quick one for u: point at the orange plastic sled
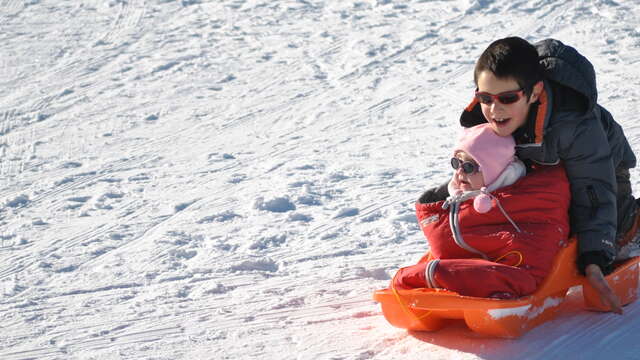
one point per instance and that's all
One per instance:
(432, 309)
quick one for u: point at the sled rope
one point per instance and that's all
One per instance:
(403, 306)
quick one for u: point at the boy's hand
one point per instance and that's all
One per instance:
(607, 296)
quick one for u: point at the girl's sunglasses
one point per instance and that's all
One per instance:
(506, 98)
(467, 166)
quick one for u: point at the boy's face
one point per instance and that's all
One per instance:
(505, 119)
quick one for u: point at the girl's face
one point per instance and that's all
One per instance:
(505, 118)
(464, 181)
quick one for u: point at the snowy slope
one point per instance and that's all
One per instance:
(231, 179)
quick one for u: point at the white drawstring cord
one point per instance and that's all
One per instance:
(484, 191)
(460, 197)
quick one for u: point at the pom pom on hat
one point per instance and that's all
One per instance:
(482, 203)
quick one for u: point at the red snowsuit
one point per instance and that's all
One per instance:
(484, 255)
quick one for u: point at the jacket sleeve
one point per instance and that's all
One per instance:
(588, 162)
(435, 194)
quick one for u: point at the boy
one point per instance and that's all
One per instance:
(545, 96)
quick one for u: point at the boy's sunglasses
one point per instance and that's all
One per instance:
(467, 166)
(506, 98)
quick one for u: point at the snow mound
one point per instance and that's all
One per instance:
(263, 265)
(20, 200)
(276, 204)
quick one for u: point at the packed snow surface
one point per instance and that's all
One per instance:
(232, 179)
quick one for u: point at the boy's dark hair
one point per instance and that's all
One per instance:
(511, 57)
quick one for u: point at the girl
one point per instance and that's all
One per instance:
(498, 234)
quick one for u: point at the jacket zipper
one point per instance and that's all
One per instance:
(455, 230)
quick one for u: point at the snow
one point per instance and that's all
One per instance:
(232, 179)
(514, 311)
(548, 303)
(526, 310)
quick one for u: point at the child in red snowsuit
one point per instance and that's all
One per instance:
(499, 232)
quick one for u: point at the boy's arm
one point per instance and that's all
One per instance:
(587, 159)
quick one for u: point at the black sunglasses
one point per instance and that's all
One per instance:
(468, 167)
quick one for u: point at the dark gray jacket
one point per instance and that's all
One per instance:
(568, 125)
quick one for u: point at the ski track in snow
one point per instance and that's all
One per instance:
(233, 178)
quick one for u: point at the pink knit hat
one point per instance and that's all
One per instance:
(492, 152)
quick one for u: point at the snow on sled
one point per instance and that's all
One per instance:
(431, 309)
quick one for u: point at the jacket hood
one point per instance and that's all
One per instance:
(565, 66)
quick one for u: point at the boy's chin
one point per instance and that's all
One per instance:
(502, 128)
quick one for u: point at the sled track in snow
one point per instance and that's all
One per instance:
(32, 255)
(65, 76)
(87, 344)
(9, 9)
(297, 317)
(129, 17)
(79, 180)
